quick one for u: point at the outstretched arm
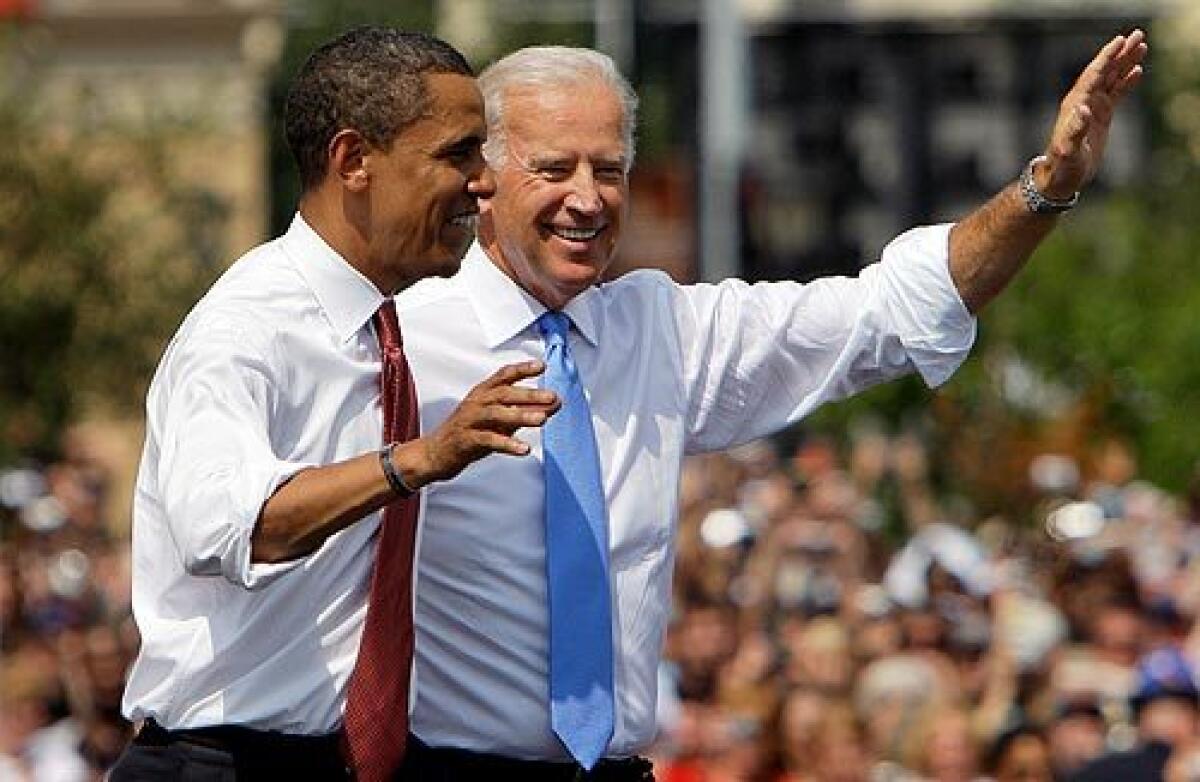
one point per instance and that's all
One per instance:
(990, 245)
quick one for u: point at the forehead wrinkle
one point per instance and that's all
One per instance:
(516, 157)
(560, 103)
(529, 161)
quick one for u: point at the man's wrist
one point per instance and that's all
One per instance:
(1039, 193)
(400, 487)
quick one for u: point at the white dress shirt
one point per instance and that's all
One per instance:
(274, 370)
(668, 370)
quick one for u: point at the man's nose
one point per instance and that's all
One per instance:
(584, 196)
(482, 183)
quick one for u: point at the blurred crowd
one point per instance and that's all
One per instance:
(838, 617)
(66, 631)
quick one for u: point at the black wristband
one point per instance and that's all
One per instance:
(399, 487)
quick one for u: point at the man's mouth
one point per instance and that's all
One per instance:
(575, 234)
(464, 220)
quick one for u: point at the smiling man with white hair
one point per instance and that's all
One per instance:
(545, 584)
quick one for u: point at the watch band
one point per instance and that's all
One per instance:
(1035, 201)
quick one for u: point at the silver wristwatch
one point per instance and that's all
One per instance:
(1035, 201)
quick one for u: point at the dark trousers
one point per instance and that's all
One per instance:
(230, 754)
(227, 754)
(423, 763)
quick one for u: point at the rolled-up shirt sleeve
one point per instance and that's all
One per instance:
(925, 309)
(217, 466)
(758, 357)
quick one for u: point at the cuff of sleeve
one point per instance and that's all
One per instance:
(239, 568)
(931, 319)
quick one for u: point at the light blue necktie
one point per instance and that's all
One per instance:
(581, 664)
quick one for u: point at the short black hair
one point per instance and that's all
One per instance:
(369, 79)
(1004, 742)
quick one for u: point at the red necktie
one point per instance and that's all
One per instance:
(376, 719)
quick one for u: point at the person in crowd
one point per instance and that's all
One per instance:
(1020, 754)
(943, 746)
(1166, 708)
(1076, 734)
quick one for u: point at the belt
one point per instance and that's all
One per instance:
(423, 762)
(256, 751)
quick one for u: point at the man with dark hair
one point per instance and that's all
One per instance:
(272, 534)
(371, 80)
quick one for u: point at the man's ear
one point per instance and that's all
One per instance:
(348, 152)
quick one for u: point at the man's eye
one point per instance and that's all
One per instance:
(610, 173)
(554, 172)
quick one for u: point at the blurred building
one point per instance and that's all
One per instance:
(166, 100)
(872, 117)
(194, 69)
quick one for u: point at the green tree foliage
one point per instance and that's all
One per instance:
(102, 248)
(1108, 307)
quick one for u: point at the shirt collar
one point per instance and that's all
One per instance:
(505, 309)
(347, 297)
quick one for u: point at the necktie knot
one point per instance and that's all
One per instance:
(554, 325)
(387, 326)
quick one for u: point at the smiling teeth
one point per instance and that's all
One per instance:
(578, 234)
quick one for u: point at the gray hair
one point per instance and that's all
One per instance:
(546, 67)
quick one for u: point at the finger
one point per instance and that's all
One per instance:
(498, 443)
(1096, 72)
(512, 373)
(1134, 61)
(1125, 85)
(1134, 49)
(1131, 55)
(520, 395)
(508, 419)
